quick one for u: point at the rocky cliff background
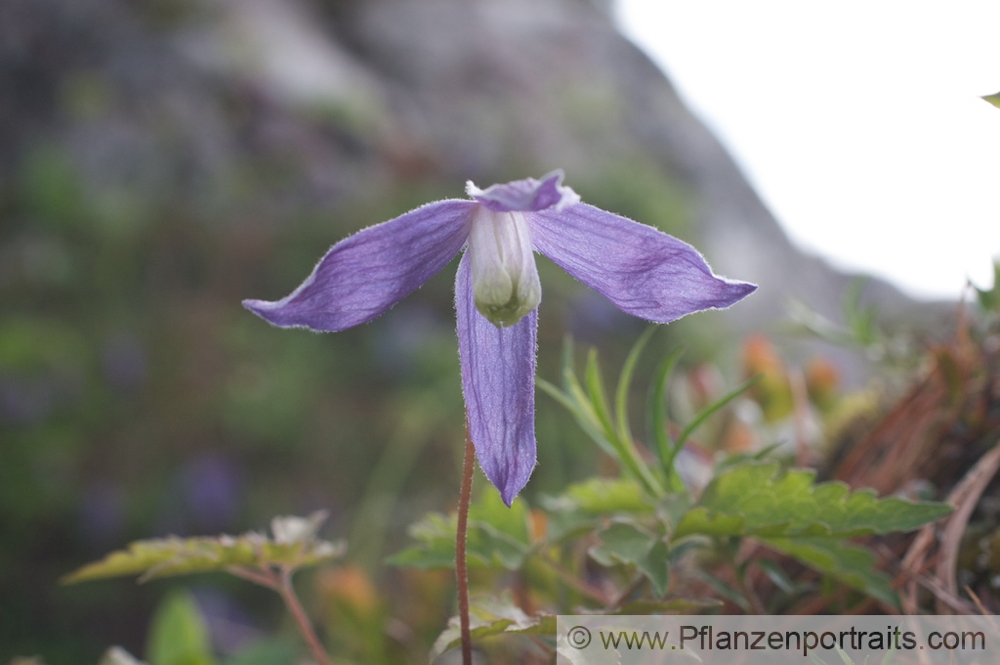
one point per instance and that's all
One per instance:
(160, 160)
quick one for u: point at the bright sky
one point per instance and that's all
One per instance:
(859, 122)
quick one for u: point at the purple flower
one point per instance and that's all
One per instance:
(643, 271)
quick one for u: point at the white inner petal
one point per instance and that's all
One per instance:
(504, 277)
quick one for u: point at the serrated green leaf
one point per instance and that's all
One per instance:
(622, 542)
(625, 542)
(582, 505)
(428, 556)
(602, 496)
(164, 557)
(495, 548)
(178, 635)
(562, 525)
(436, 546)
(849, 564)
(498, 616)
(491, 511)
(756, 499)
(497, 536)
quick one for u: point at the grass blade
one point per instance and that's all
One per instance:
(658, 425)
(625, 382)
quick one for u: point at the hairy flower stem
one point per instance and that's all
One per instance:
(461, 570)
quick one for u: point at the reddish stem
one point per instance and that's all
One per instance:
(287, 592)
(461, 571)
(282, 584)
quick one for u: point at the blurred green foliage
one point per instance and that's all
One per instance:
(138, 399)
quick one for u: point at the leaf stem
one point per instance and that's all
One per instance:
(287, 592)
(282, 584)
(461, 570)
(264, 578)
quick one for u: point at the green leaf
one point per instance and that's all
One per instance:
(849, 564)
(497, 536)
(582, 505)
(601, 496)
(989, 299)
(495, 548)
(655, 567)
(993, 99)
(625, 542)
(491, 511)
(757, 500)
(592, 411)
(624, 447)
(178, 635)
(294, 545)
(622, 542)
(435, 534)
(498, 616)
(672, 508)
(594, 381)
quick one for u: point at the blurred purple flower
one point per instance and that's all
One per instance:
(102, 514)
(643, 271)
(212, 490)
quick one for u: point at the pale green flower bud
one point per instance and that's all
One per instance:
(504, 277)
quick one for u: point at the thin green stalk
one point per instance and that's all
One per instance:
(658, 425)
(710, 410)
(625, 449)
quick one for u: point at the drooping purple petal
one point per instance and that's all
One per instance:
(525, 195)
(365, 274)
(642, 270)
(498, 380)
